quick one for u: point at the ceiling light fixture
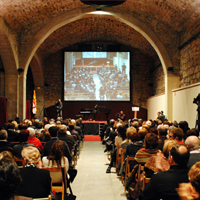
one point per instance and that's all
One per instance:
(103, 3)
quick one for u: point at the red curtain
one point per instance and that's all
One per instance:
(28, 110)
(3, 111)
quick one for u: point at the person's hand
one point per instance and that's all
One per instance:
(187, 192)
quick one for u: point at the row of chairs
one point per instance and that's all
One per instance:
(128, 170)
(61, 188)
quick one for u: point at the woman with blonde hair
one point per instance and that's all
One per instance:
(36, 182)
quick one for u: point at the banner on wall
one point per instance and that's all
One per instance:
(34, 110)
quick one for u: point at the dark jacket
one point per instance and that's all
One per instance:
(163, 185)
(36, 183)
(47, 149)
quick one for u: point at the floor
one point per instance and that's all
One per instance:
(92, 182)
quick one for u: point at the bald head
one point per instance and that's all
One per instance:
(180, 154)
(192, 142)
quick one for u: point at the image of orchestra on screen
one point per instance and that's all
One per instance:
(96, 76)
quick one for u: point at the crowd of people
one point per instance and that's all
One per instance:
(168, 151)
(81, 80)
(33, 145)
(113, 83)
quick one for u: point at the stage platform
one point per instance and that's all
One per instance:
(92, 138)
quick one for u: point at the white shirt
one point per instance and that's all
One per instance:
(48, 163)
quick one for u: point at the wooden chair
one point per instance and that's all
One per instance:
(128, 172)
(74, 156)
(48, 198)
(58, 188)
(140, 169)
(117, 157)
(19, 161)
(145, 181)
(123, 152)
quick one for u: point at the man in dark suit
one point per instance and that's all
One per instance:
(193, 144)
(62, 135)
(59, 106)
(12, 134)
(47, 147)
(4, 144)
(163, 185)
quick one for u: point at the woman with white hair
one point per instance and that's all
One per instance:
(36, 182)
(33, 140)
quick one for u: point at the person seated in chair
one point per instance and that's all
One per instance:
(3, 140)
(163, 185)
(121, 135)
(10, 178)
(56, 158)
(36, 182)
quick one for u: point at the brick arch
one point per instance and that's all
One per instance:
(7, 51)
(10, 63)
(36, 69)
(84, 12)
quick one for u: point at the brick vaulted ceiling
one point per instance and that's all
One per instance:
(26, 17)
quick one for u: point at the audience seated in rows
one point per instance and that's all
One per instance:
(192, 143)
(150, 148)
(62, 135)
(133, 146)
(23, 138)
(47, 147)
(12, 134)
(191, 190)
(3, 139)
(56, 159)
(121, 135)
(36, 182)
(163, 185)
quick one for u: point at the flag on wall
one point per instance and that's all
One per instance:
(34, 110)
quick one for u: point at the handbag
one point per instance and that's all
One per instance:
(70, 196)
(72, 174)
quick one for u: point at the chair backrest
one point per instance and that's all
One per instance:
(48, 198)
(145, 181)
(53, 173)
(123, 151)
(128, 172)
(19, 161)
(140, 169)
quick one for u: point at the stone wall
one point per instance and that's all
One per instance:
(53, 77)
(158, 81)
(190, 63)
(141, 87)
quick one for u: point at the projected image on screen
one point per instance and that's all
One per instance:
(96, 76)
